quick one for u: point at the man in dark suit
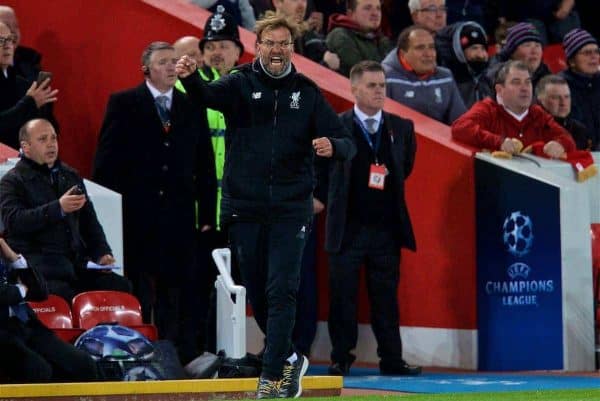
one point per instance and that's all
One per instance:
(32, 353)
(154, 148)
(368, 222)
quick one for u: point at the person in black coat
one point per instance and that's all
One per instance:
(55, 228)
(32, 353)
(18, 102)
(277, 119)
(554, 95)
(159, 157)
(368, 221)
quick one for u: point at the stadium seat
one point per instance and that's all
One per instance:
(55, 313)
(104, 307)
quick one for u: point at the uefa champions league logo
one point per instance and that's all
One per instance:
(517, 233)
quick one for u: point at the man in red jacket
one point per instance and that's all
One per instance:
(511, 121)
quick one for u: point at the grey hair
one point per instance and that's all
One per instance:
(153, 47)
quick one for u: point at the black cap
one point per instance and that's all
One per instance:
(221, 26)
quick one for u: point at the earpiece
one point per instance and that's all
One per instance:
(145, 70)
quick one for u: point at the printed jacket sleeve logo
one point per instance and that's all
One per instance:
(256, 95)
(295, 103)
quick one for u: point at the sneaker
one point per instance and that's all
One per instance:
(268, 388)
(291, 383)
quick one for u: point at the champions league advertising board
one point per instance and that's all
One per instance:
(519, 297)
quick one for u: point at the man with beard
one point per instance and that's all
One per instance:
(276, 120)
(462, 48)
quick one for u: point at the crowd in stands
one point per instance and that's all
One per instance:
(476, 66)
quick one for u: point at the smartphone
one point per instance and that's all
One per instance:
(42, 76)
(77, 190)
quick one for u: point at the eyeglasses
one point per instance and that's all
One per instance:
(434, 9)
(8, 40)
(589, 52)
(269, 44)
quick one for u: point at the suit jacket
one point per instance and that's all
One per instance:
(160, 175)
(334, 181)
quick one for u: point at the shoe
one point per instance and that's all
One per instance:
(268, 388)
(398, 369)
(339, 369)
(291, 383)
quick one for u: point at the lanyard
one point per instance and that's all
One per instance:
(367, 136)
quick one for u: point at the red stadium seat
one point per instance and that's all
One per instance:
(100, 307)
(55, 313)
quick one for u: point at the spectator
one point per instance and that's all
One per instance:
(31, 353)
(155, 150)
(500, 33)
(273, 116)
(583, 77)
(551, 18)
(511, 121)
(241, 10)
(310, 43)
(357, 35)
(429, 14)
(17, 95)
(27, 61)
(523, 43)
(554, 96)
(50, 220)
(412, 77)
(462, 47)
(188, 45)
(467, 10)
(368, 222)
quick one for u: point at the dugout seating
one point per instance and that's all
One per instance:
(100, 307)
(55, 313)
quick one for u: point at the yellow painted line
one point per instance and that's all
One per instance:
(154, 387)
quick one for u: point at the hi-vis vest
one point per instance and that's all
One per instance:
(216, 125)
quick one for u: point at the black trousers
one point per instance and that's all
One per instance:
(269, 256)
(305, 328)
(170, 301)
(378, 249)
(31, 353)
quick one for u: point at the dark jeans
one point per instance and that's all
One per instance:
(378, 249)
(269, 257)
